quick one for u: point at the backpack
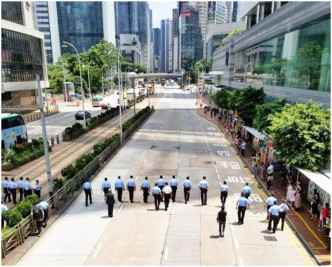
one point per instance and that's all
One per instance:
(36, 213)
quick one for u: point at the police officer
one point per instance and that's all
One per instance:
(161, 184)
(110, 200)
(12, 189)
(146, 188)
(88, 191)
(186, 189)
(157, 195)
(274, 216)
(246, 190)
(174, 185)
(282, 214)
(37, 189)
(44, 205)
(223, 193)
(269, 203)
(27, 187)
(167, 193)
(119, 187)
(3, 208)
(241, 205)
(5, 186)
(20, 186)
(105, 186)
(203, 185)
(131, 187)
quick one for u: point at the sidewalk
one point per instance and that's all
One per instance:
(306, 229)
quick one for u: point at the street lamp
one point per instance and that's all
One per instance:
(64, 79)
(102, 79)
(133, 89)
(79, 62)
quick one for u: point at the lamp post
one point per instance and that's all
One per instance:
(64, 80)
(79, 62)
(102, 79)
(88, 66)
(133, 89)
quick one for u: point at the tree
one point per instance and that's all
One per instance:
(301, 135)
(261, 121)
(221, 99)
(233, 98)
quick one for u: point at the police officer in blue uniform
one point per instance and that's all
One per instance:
(20, 186)
(274, 216)
(269, 203)
(161, 184)
(12, 189)
(156, 192)
(174, 185)
(88, 191)
(283, 211)
(223, 193)
(186, 190)
(146, 188)
(27, 187)
(5, 187)
(246, 190)
(37, 189)
(105, 186)
(203, 185)
(242, 204)
(44, 205)
(119, 187)
(131, 187)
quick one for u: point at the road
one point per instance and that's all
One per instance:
(174, 141)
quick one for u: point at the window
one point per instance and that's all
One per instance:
(43, 23)
(12, 11)
(41, 5)
(42, 17)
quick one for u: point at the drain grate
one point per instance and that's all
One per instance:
(270, 238)
(207, 162)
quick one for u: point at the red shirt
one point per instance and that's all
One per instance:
(325, 212)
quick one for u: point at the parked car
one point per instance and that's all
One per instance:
(79, 115)
(105, 106)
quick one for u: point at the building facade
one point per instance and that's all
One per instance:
(156, 49)
(287, 54)
(22, 56)
(166, 45)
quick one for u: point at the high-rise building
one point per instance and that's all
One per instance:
(166, 45)
(175, 39)
(156, 49)
(229, 6)
(204, 9)
(22, 56)
(220, 12)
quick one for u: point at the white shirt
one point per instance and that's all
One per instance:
(167, 190)
(270, 169)
(224, 188)
(243, 145)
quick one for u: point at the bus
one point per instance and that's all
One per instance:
(96, 100)
(13, 130)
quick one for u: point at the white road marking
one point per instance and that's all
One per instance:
(120, 208)
(166, 254)
(236, 243)
(97, 250)
(241, 262)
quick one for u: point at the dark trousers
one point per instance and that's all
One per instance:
(7, 195)
(174, 188)
(275, 220)
(282, 216)
(13, 192)
(145, 194)
(167, 198)
(46, 217)
(119, 190)
(21, 193)
(246, 195)
(242, 152)
(27, 192)
(37, 192)
(161, 189)
(105, 189)
(222, 226)
(203, 196)
(110, 209)
(186, 192)
(223, 196)
(39, 226)
(240, 213)
(131, 193)
(268, 183)
(87, 195)
(156, 201)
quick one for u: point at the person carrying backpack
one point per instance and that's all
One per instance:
(38, 217)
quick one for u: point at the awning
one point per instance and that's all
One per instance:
(323, 181)
(254, 132)
(216, 73)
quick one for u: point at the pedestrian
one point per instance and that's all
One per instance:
(157, 196)
(203, 185)
(283, 211)
(246, 190)
(186, 190)
(298, 198)
(167, 194)
(221, 219)
(3, 208)
(88, 192)
(325, 212)
(110, 200)
(269, 178)
(223, 193)
(263, 171)
(44, 205)
(5, 187)
(269, 203)
(290, 197)
(27, 188)
(20, 186)
(12, 188)
(161, 183)
(37, 189)
(38, 217)
(105, 186)
(274, 216)
(254, 165)
(174, 185)
(119, 187)
(146, 188)
(314, 207)
(131, 187)
(241, 205)
(243, 147)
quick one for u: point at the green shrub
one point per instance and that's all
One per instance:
(5, 215)
(33, 199)
(69, 172)
(24, 208)
(14, 217)
(57, 184)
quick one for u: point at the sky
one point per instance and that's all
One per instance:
(161, 10)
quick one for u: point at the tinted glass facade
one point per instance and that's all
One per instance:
(300, 58)
(12, 11)
(80, 23)
(21, 57)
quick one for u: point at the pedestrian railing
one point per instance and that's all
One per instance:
(15, 236)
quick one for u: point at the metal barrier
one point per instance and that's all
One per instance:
(27, 226)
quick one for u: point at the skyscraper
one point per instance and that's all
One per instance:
(166, 45)
(156, 49)
(175, 39)
(220, 12)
